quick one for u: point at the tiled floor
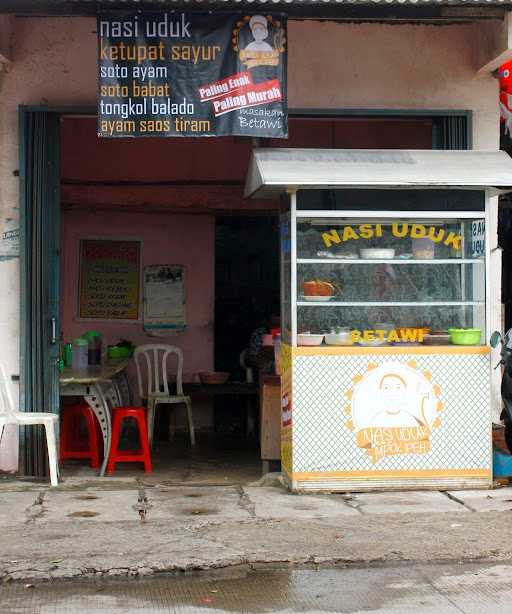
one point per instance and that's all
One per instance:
(216, 460)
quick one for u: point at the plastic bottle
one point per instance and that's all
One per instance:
(94, 348)
(68, 353)
(277, 350)
(79, 358)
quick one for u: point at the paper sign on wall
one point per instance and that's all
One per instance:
(477, 238)
(164, 298)
(10, 238)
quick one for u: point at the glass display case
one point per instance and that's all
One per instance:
(382, 271)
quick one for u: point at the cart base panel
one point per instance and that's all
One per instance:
(386, 483)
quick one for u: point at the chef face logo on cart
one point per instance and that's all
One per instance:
(393, 409)
(259, 40)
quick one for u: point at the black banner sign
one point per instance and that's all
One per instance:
(192, 74)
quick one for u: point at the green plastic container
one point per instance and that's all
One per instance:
(91, 333)
(465, 336)
(113, 351)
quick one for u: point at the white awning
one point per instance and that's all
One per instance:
(271, 171)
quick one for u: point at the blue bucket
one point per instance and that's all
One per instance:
(501, 464)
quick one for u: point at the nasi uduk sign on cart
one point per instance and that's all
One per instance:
(191, 74)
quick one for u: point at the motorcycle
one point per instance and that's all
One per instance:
(506, 380)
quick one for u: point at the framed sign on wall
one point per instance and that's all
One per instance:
(109, 285)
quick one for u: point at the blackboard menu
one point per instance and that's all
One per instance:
(109, 279)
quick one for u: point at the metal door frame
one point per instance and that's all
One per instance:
(39, 287)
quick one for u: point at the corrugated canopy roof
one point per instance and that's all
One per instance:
(271, 171)
(41, 6)
(274, 2)
(377, 11)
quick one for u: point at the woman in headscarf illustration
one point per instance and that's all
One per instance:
(398, 406)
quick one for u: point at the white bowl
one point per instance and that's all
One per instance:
(338, 339)
(379, 253)
(374, 343)
(317, 299)
(309, 339)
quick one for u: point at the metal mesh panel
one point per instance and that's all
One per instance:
(323, 443)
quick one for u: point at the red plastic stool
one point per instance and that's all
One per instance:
(72, 444)
(142, 455)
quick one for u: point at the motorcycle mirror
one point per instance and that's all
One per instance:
(495, 339)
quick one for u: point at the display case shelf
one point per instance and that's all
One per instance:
(389, 304)
(389, 261)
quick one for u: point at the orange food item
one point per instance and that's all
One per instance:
(309, 288)
(325, 288)
(318, 288)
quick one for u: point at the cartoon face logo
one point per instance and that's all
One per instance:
(259, 40)
(393, 409)
(393, 390)
(259, 31)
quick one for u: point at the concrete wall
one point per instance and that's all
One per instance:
(330, 66)
(166, 239)
(386, 66)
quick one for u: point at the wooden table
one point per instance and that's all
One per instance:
(229, 388)
(248, 390)
(99, 386)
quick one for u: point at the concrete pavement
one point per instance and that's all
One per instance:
(84, 530)
(395, 589)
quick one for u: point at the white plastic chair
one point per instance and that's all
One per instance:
(154, 358)
(8, 415)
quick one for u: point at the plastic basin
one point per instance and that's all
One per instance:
(118, 352)
(465, 336)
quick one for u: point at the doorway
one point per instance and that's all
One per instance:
(246, 283)
(246, 296)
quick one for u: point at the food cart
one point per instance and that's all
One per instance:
(386, 314)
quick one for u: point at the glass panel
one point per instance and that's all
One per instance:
(339, 239)
(323, 318)
(286, 268)
(395, 200)
(401, 273)
(386, 282)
